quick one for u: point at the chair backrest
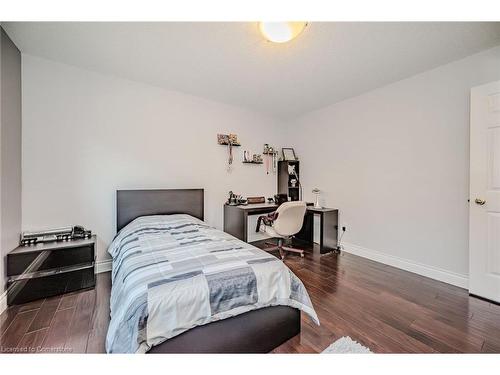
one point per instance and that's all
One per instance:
(290, 218)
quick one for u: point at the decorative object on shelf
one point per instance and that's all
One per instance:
(229, 140)
(232, 199)
(52, 235)
(248, 158)
(266, 156)
(236, 200)
(316, 191)
(275, 160)
(288, 154)
(293, 182)
(254, 200)
(271, 158)
(293, 172)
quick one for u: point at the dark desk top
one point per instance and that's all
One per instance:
(321, 209)
(271, 206)
(256, 206)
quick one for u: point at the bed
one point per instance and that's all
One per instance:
(182, 286)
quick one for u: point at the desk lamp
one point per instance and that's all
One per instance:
(317, 191)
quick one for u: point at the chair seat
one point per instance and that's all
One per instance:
(270, 231)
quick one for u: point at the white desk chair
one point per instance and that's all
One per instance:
(288, 223)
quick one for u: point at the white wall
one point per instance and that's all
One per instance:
(394, 160)
(396, 163)
(10, 151)
(85, 135)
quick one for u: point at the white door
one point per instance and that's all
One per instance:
(484, 221)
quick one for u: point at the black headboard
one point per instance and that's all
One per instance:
(130, 204)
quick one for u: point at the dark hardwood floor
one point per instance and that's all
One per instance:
(384, 308)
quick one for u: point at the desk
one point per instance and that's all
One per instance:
(236, 223)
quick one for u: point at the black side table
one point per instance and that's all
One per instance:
(47, 269)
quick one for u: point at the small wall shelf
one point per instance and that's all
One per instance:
(253, 162)
(227, 144)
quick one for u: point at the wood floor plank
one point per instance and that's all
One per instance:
(489, 348)
(58, 331)
(7, 317)
(68, 300)
(31, 342)
(100, 317)
(78, 334)
(16, 330)
(45, 314)
(34, 305)
(465, 342)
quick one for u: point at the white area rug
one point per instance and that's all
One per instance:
(346, 345)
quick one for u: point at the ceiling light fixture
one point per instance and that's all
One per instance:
(281, 32)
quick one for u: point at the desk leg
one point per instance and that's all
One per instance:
(236, 222)
(328, 236)
(307, 230)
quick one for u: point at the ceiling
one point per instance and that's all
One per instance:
(232, 63)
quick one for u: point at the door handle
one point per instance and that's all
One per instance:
(480, 201)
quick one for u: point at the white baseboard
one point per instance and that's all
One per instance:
(103, 266)
(3, 302)
(435, 273)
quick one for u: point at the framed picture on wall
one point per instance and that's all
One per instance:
(288, 153)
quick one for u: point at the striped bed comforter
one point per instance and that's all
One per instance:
(174, 272)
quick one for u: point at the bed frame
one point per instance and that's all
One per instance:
(257, 331)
